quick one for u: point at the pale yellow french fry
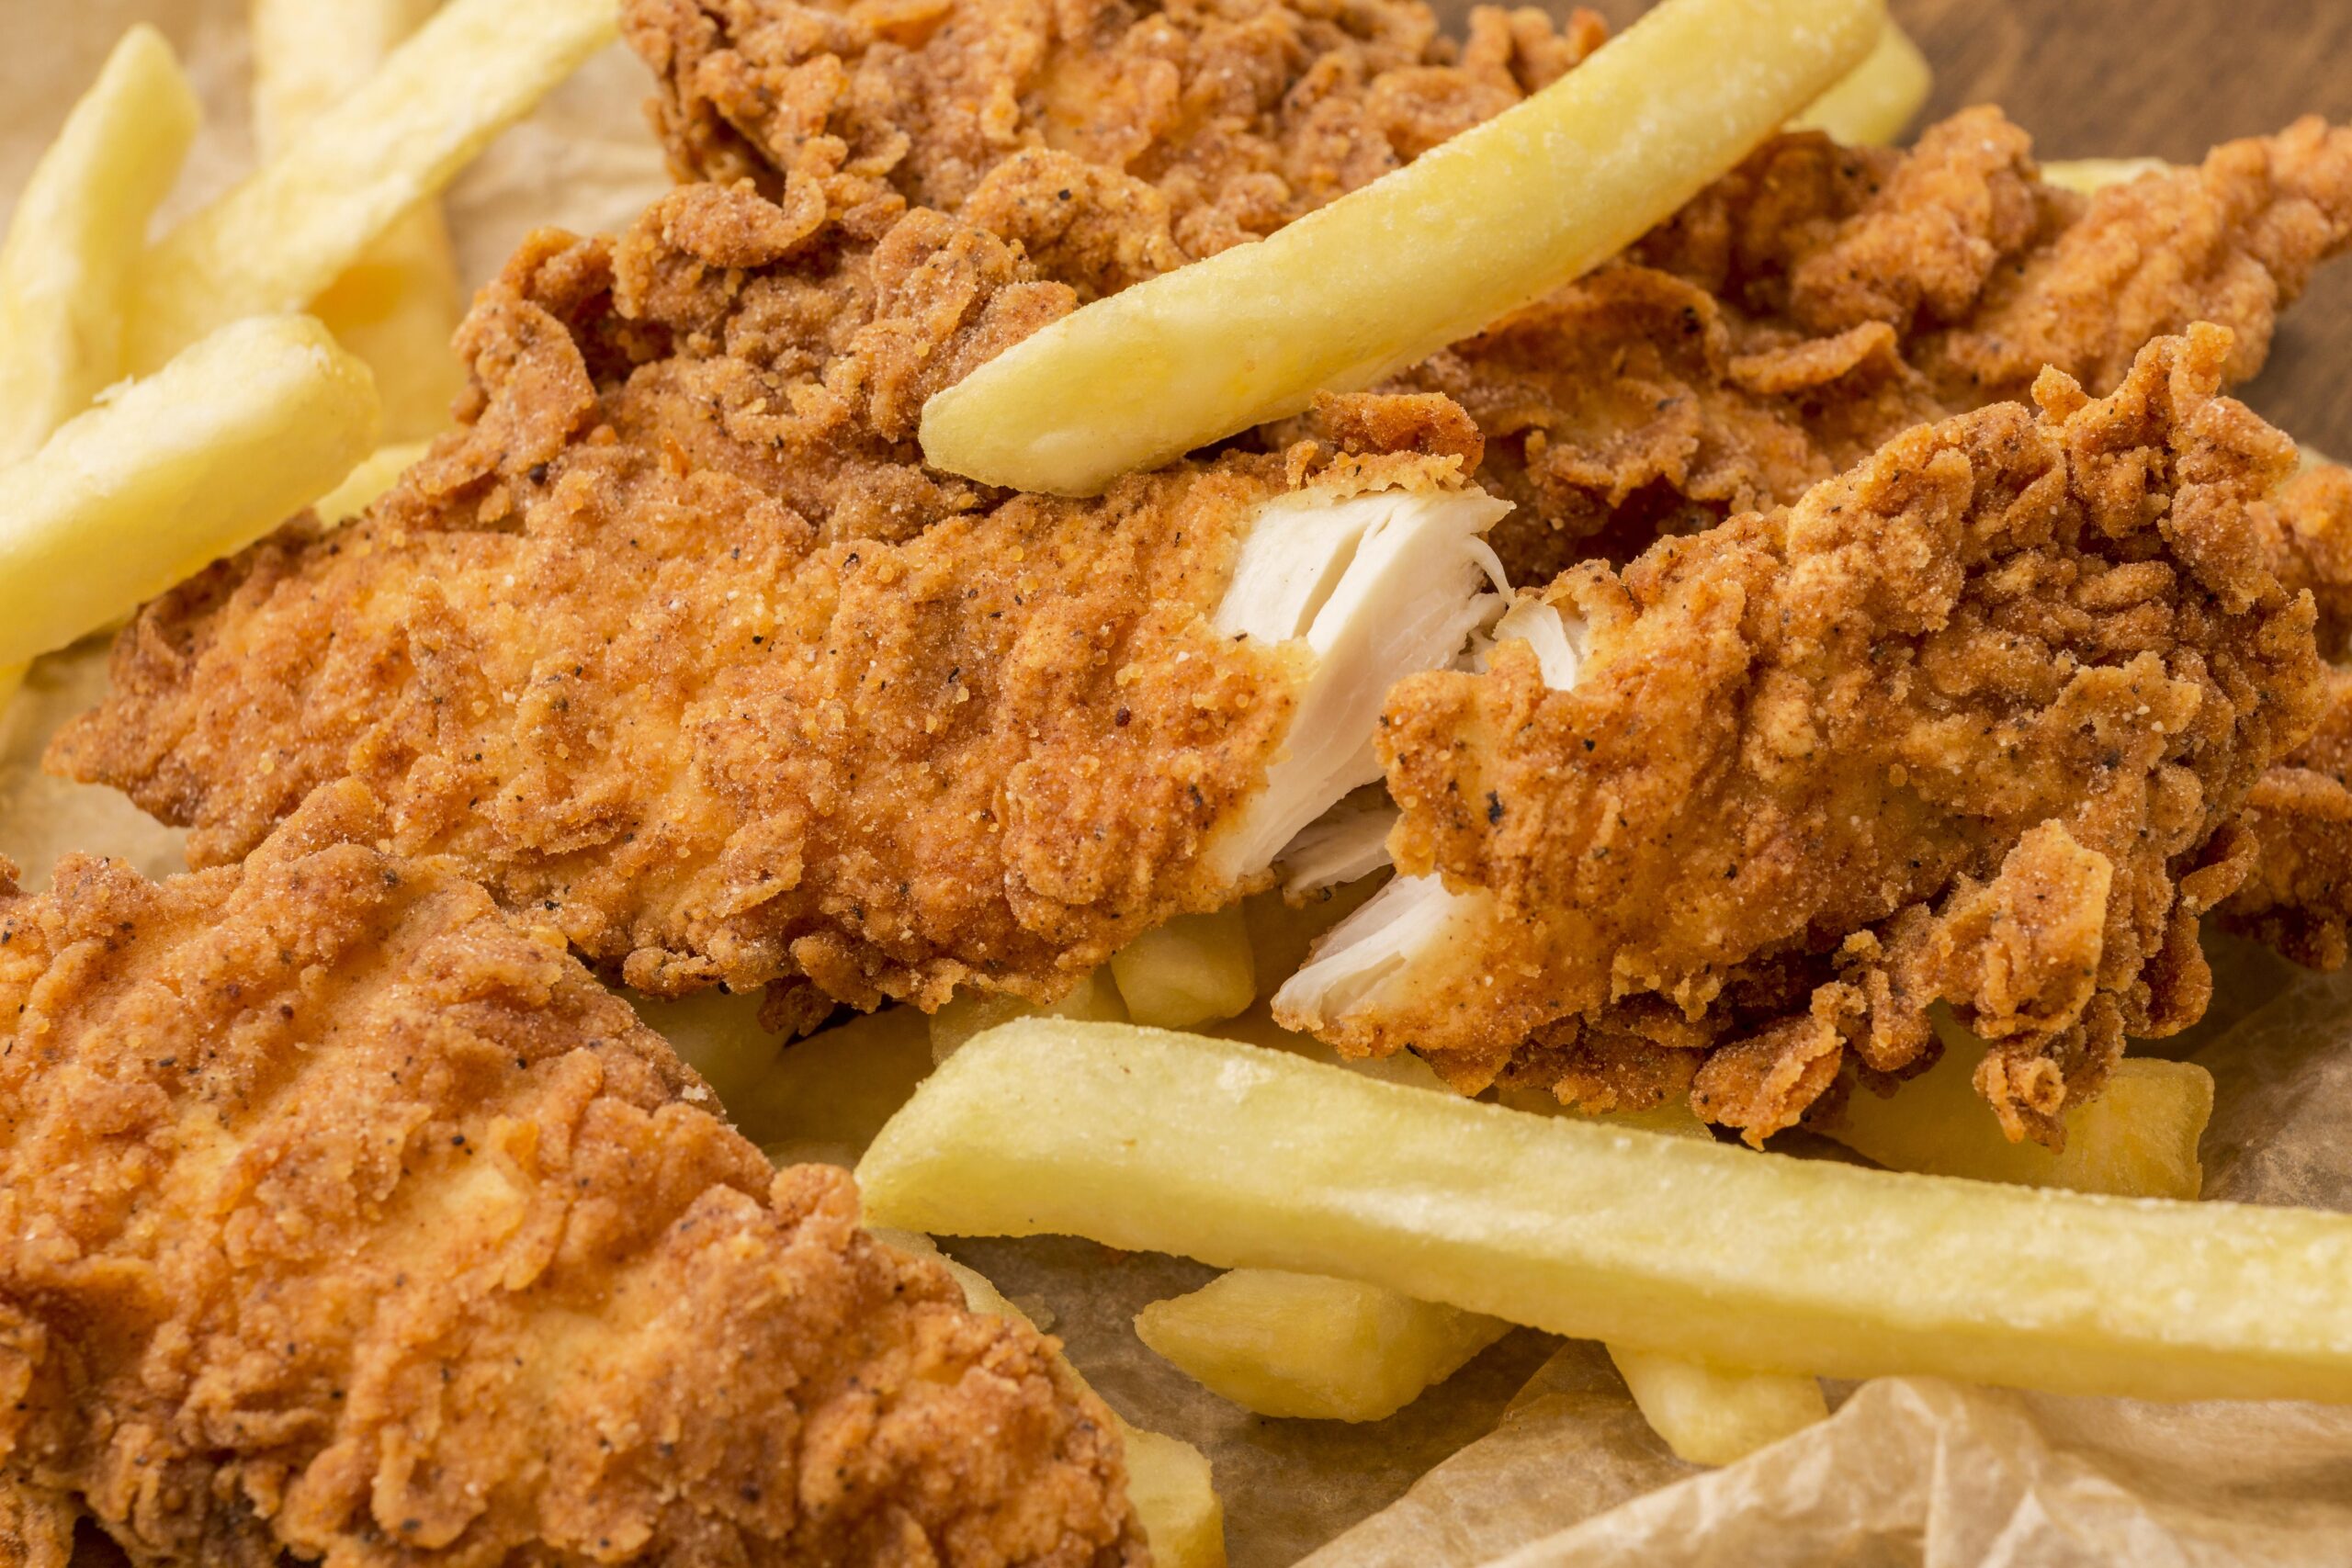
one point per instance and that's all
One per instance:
(1712, 1415)
(1168, 1479)
(176, 470)
(1249, 1158)
(398, 305)
(1872, 104)
(1470, 231)
(2137, 1139)
(1196, 969)
(823, 1098)
(2090, 175)
(280, 238)
(1094, 998)
(375, 474)
(1311, 1346)
(1707, 1413)
(717, 1034)
(79, 230)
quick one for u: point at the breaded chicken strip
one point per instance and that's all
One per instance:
(1808, 306)
(342, 1215)
(1970, 723)
(677, 644)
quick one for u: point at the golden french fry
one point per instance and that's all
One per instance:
(1468, 232)
(1168, 1479)
(824, 1098)
(1712, 1415)
(397, 306)
(1196, 969)
(2091, 175)
(186, 466)
(1309, 1345)
(1170, 1483)
(1872, 104)
(280, 238)
(717, 1034)
(375, 474)
(79, 230)
(1250, 1158)
(968, 1013)
(2138, 1139)
(1707, 1413)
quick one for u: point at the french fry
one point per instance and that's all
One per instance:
(375, 474)
(398, 305)
(280, 238)
(1712, 1415)
(823, 1098)
(1707, 1413)
(1094, 998)
(1196, 969)
(1872, 104)
(1249, 1158)
(1168, 1479)
(717, 1034)
(1311, 1346)
(78, 230)
(2090, 175)
(2138, 1139)
(1468, 232)
(181, 468)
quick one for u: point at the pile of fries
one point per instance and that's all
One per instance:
(166, 400)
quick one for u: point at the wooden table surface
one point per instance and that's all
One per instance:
(2162, 78)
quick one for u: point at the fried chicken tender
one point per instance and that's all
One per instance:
(344, 1217)
(1805, 309)
(1973, 724)
(1187, 129)
(676, 644)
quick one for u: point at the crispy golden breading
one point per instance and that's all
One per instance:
(1970, 723)
(2299, 897)
(676, 641)
(1802, 311)
(344, 1216)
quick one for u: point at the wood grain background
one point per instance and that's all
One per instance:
(2166, 79)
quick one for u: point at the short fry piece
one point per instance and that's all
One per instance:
(1712, 1415)
(1169, 1483)
(278, 238)
(1245, 1158)
(375, 474)
(192, 463)
(823, 1098)
(2088, 176)
(2138, 1139)
(968, 1013)
(397, 306)
(1468, 232)
(1872, 104)
(78, 230)
(1307, 1345)
(1196, 969)
(1168, 1478)
(717, 1034)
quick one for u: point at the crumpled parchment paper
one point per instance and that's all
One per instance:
(1533, 1454)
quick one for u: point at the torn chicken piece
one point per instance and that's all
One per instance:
(1970, 723)
(676, 643)
(1805, 309)
(348, 1218)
